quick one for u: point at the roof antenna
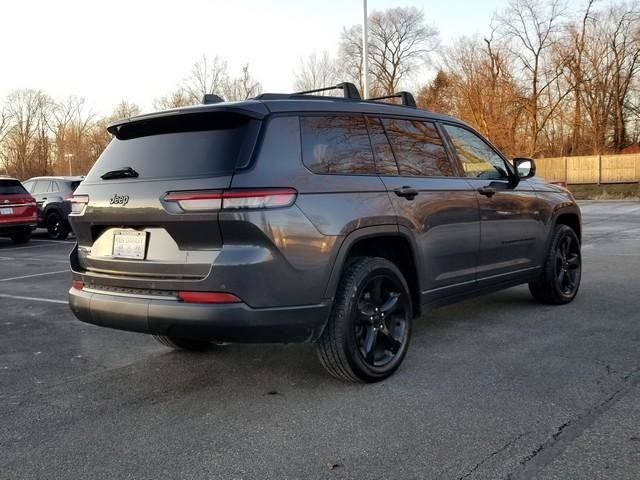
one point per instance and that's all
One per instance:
(210, 98)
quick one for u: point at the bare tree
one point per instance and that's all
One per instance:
(177, 98)
(400, 43)
(625, 49)
(243, 87)
(124, 109)
(531, 29)
(208, 75)
(26, 146)
(316, 71)
(72, 123)
(481, 89)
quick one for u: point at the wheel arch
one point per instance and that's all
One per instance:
(390, 242)
(571, 219)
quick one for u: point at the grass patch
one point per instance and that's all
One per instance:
(614, 191)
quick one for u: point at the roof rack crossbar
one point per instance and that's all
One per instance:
(405, 97)
(348, 88)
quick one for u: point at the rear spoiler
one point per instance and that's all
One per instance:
(255, 110)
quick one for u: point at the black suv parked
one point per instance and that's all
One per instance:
(53, 195)
(302, 218)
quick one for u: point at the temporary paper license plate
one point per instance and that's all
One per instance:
(129, 244)
(6, 211)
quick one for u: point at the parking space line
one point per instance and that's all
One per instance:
(33, 299)
(34, 259)
(51, 241)
(34, 275)
(31, 246)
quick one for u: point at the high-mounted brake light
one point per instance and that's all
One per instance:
(232, 199)
(78, 202)
(208, 297)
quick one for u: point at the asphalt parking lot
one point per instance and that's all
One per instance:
(497, 387)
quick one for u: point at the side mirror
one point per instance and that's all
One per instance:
(525, 167)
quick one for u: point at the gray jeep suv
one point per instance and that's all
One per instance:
(304, 218)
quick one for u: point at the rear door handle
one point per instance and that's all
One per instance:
(488, 191)
(407, 192)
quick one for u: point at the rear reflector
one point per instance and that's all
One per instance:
(78, 202)
(232, 199)
(208, 297)
(267, 198)
(77, 284)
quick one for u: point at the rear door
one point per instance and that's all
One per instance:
(439, 209)
(129, 226)
(511, 225)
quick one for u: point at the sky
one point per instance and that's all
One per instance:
(138, 50)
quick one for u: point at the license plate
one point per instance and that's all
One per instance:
(6, 211)
(130, 244)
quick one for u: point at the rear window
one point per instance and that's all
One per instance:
(11, 187)
(337, 144)
(209, 144)
(75, 184)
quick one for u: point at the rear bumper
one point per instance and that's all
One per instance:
(7, 228)
(231, 322)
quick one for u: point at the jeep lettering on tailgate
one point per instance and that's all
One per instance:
(119, 200)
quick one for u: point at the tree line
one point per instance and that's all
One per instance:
(546, 81)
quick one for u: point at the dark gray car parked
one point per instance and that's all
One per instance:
(53, 195)
(302, 218)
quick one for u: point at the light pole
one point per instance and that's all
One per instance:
(365, 52)
(69, 156)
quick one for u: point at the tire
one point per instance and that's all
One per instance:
(56, 226)
(559, 280)
(21, 237)
(358, 343)
(182, 343)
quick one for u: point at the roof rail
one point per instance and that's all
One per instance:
(209, 98)
(405, 97)
(348, 88)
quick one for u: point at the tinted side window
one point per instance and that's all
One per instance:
(41, 186)
(336, 144)
(418, 148)
(478, 159)
(385, 161)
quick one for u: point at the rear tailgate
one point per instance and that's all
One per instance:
(126, 228)
(16, 205)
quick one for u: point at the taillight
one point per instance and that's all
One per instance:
(208, 297)
(77, 284)
(78, 202)
(196, 201)
(232, 199)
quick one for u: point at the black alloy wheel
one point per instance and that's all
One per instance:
(381, 327)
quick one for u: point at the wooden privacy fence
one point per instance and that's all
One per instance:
(593, 169)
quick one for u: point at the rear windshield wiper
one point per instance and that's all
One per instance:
(124, 172)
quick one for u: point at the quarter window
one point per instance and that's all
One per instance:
(336, 144)
(418, 148)
(478, 159)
